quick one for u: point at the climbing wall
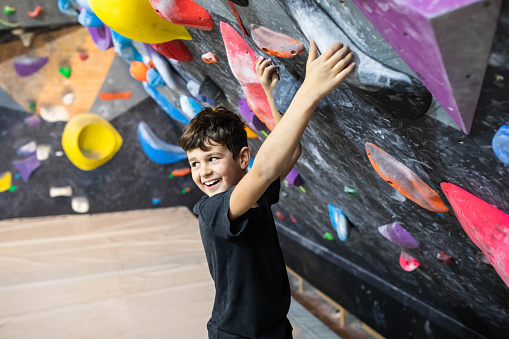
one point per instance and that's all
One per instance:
(397, 208)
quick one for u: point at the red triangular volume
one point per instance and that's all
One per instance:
(485, 225)
(184, 12)
(175, 50)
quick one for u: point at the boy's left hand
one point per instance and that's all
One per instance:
(267, 75)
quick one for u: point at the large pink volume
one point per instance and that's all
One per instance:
(485, 225)
(242, 60)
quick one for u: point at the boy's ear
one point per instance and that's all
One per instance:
(244, 157)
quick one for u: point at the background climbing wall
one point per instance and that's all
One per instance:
(465, 298)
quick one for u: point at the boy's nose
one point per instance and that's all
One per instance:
(205, 171)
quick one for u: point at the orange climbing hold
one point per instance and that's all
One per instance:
(404, 180)
(184, 12)
(115, 96)
(175, 50)
(276, 44)
(250, 133)
(209, 58)
(37, 10)
(180, 172)
(138, 70)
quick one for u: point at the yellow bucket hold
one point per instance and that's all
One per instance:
(137, 20)
(5, 181)
(89, 141)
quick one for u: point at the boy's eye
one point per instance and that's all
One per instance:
(194, 164)
(213, 159)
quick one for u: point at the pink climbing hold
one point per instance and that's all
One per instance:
(485, 225)
(242, 61)
(407, 262)
(184, 12)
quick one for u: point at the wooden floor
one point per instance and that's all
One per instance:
(137, 274)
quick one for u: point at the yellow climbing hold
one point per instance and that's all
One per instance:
(5, 181)
(89, 141)
(250, 133)
(137, 20)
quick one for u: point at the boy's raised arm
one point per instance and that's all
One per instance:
(323, 75)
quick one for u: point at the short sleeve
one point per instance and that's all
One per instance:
(214, 212)
(272, 192)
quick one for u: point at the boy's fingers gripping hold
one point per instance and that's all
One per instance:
(344, 73)
(331, 50)
(343, 62)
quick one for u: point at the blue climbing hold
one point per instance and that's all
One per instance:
(189, 106)
(154, 78)
(124, 47)
(157, 150)
(340, 222)
(500, 144)
(156, 201)
(441, 215)
(89, 19)
(165, 104)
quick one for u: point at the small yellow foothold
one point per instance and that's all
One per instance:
(302, 189)
(265, 133)
(5, 181)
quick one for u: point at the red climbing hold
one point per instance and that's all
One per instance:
(242, 61)
(276, 44)
(175, 50)
(404, 180)
(184, 12)
(37, 10)
(444, 257)
(209, 58)
(237, 16)
(485, 225)
(293, 219)
(280, 215)
(407, 262)
(83, 56)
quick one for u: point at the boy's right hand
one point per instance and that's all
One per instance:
(325, 73)
(267, 74)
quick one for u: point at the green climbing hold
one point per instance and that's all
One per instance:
(65, 71)
(12, 188)
(8, 10)
(171, 175)
(328, 236)
(351, 191)
(265, 133)
(31, 106)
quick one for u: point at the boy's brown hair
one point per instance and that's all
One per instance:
(214, 126)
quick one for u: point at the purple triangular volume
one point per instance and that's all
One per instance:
(27, 166)
(446, 43)
(396, 234)
(294, 179)
(28, 66)
(252, 120)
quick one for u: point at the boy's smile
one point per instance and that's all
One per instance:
(215, 171)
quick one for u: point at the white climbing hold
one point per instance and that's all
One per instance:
(54, 113)
(68, 99)
(42, 152)
(65, 191)
(80, 204)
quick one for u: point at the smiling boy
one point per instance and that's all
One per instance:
(235, 219)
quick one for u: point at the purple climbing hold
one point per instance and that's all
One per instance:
(396, 234)
(27, 166)
(252, 120)
(294, 179)
(28, 66)
(101, 36)
(33, 120)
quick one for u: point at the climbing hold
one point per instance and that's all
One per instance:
(175, 49)
(242, 62)
(250, 133)
(137, 20)
(154, 78)
(115, 96)
(59, 153)
(28, 66)
(485, 225)
(404, 180)
(54, 113)
(138, 70)
(37, 10)
(80, 204)
(444, 257)
(396, 234)
(65, 191)
(441, 215)
(189, 106)
(165, 104)
(351, 191)
(8, 10)
(293, 219)
(68, 99)
(83, 56)
(156, 201)
(249, 116)
(340, 222)
(209, 58)
(480, 257)
(276, 44)
(28, 148)
(26, 38)
(242, 3)
(89, 141)
(27, 166)
(157, 150)
(181, 172)
(101, 36)
(390, 90)
(65, 71)
(12, 188)
(211, 90)
(184, 12)
(328, 236)
(5, 181)
(31, 107)
(68, 7)
(42, 152)
(500, 144)
(237, 16)
(407, 262)
(186, 190)
(294, 179)
(89, 19)
(279, 215)
(124, 47)
(17, 175)
(194, 89)
(33, 120)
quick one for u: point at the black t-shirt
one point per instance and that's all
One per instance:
(246, 263)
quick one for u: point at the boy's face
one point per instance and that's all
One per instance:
(215, 171)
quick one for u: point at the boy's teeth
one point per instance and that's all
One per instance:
(208, 183)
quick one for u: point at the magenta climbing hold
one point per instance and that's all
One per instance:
(242, 62)
(396, 234)
(28, 66)
(407, 262)
(404, 180)
(27, 166)
(247, 113)
(485, 225)
(186, 13)
(276, 44)
(444, 257)
(294, 179)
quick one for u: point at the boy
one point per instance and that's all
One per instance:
(236, 222)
